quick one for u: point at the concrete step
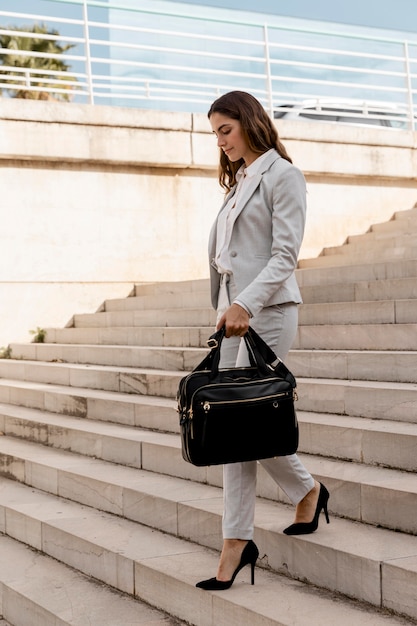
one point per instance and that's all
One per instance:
(372, 399)
(140, 381)
(351, 364)
(116, 443)
(401, 222)
(362, 440)
(162, 570)
(129, 409)
(157, 317)
(389, 289)
(395, 337)
(360, 280)
(384, 231)
(117, 356)
(397, 289)
(37, 590)
(73, 384)
(360, 271)
(376, 365)
(185, 299)
(368, 494)
(398, 245)
(345, 556)
(377, 312)
(325, 337)
(382, 289)
(374, 312)
(406, 214)
(124, 357)
(184, 337)
(173, 287)
(367, 256)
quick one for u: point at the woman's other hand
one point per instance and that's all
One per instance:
(236, 320)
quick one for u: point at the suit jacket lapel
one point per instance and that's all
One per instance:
(227, 198)
(247, 194)
(254, 183)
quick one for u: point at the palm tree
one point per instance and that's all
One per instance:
(34, 64)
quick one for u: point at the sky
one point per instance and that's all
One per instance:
(399, 15)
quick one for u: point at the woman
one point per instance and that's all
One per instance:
(253, 249)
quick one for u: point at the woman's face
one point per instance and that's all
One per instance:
(230, 138)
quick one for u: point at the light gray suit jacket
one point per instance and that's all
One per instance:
(266, 237)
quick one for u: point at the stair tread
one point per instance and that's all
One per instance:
(42, 346)
(320, 418)
(333, 336)
(207, 329)
(358, 398)
(38, 584)
(111, 314)
(133, 432)
(358, 336)
(176, 564)
(395, 365)
(174, 318)
(116, 442)
(91, 367)
(97, 427)
(94, 346)
(189, 336)
(393, 242)
(83, 391)
(383, 311)
(168, 487)
(90, 393)
(353, 268)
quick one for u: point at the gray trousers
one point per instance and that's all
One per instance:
(277, 325)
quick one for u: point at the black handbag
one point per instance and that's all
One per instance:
(239, 414)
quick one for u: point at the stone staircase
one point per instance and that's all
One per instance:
(102, 521)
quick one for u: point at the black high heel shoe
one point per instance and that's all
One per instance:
(249, 555)
(305, 528)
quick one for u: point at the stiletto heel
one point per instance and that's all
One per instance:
(305, 528)
(249, 556)
(326, 512)
(252, 573)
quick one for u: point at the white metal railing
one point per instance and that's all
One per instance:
(120, 58)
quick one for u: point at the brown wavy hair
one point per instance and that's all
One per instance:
(257, 129)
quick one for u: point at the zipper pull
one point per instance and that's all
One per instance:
(206, 406)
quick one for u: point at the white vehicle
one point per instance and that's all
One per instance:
(345, 112)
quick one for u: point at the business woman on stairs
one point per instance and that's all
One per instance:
(253, 251)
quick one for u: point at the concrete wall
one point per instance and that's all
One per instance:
(95, 199)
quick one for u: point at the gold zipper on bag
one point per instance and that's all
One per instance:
(207, 405)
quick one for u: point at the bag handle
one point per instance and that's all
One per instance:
(260, 356)
(270, 357)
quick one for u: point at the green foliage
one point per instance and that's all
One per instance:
(39, 335)
(6, 353)
(18, 42)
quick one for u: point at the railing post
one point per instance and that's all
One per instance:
(87, 54)
(409, 86)
(268, 74)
